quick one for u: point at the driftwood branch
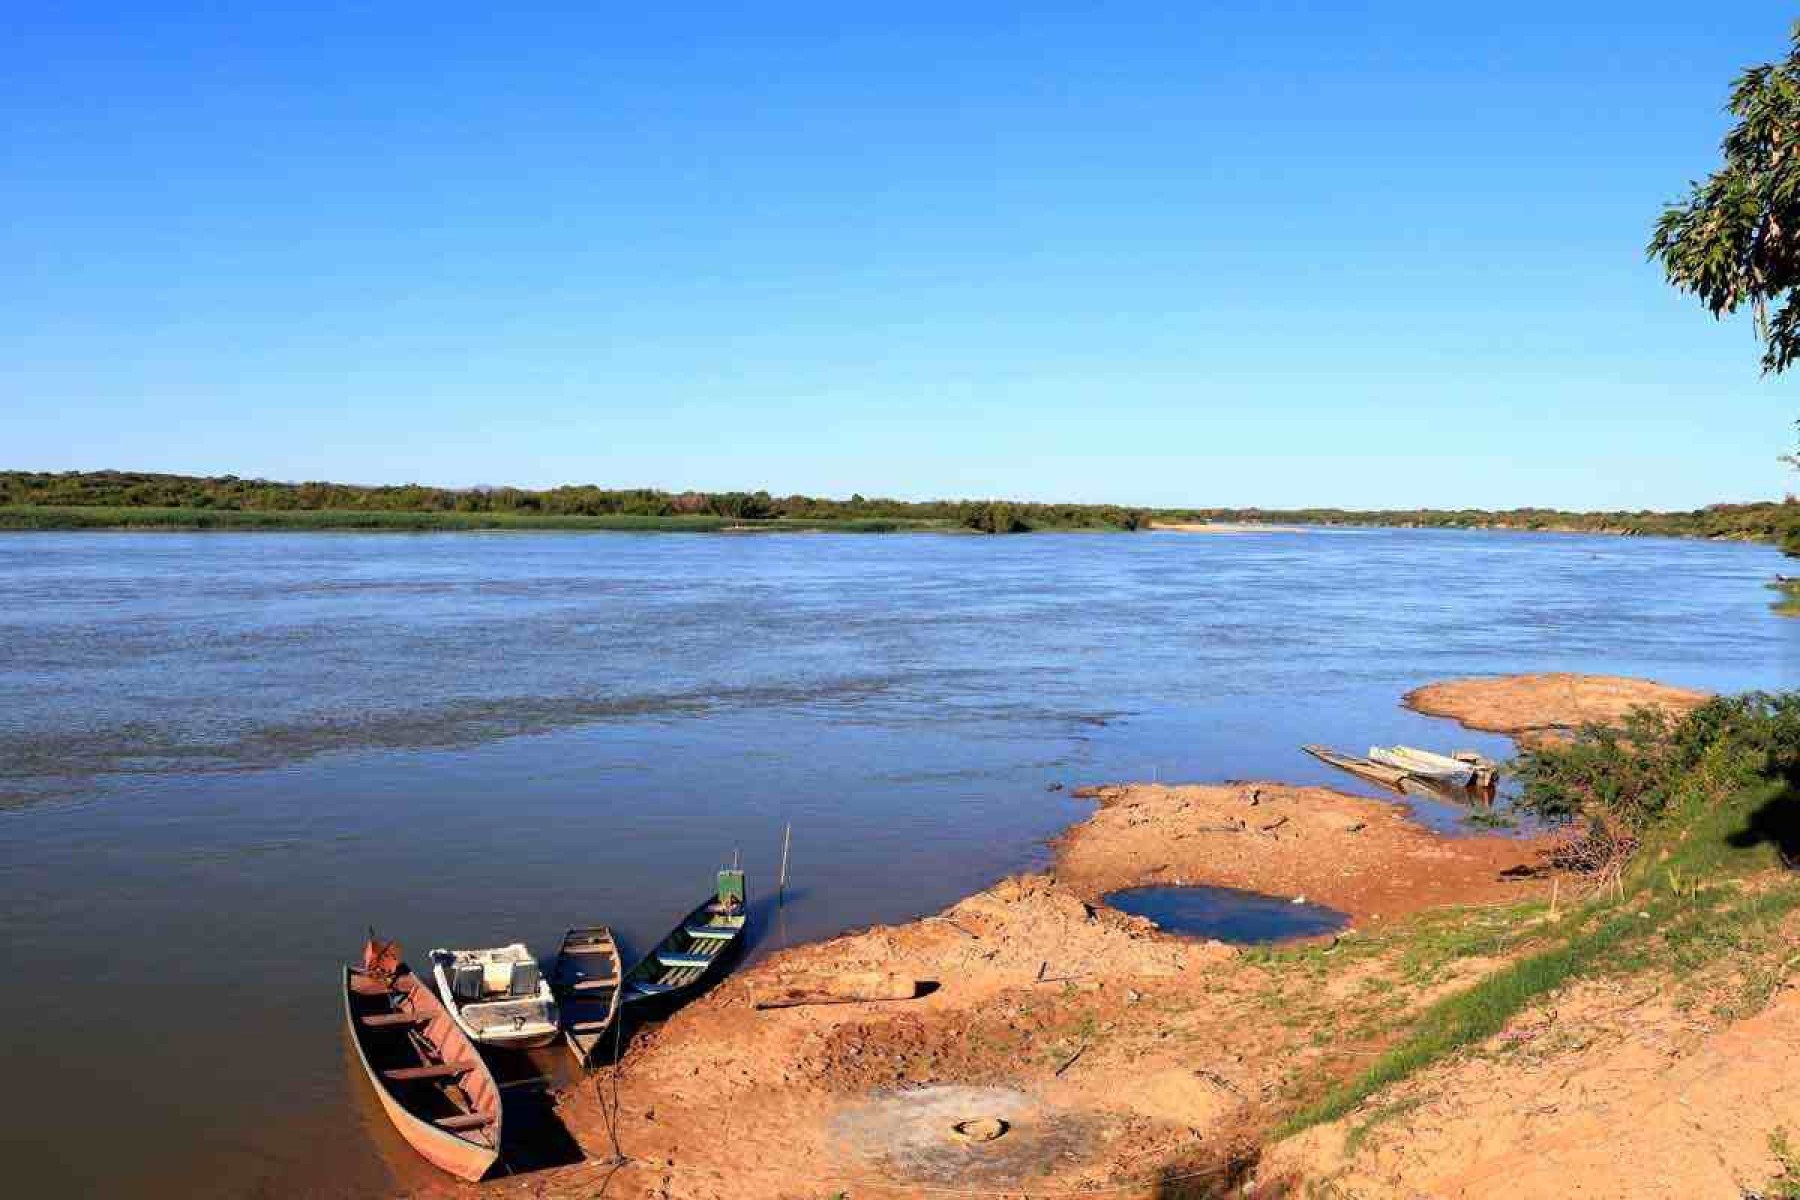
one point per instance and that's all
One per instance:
(844, 987)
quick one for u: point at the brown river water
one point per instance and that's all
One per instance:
(222, 756)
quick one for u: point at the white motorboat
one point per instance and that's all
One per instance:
(498, 997)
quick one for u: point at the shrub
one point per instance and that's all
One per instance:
(1622, 783)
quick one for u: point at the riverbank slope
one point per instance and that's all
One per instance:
(1117, 1055)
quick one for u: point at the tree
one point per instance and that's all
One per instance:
(1736, 239)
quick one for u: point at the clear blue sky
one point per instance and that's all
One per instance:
(1279, 254)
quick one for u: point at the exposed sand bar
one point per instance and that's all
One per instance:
(1224, 527)
(1536, 707)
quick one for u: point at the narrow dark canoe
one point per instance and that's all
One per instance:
(1362, 768)
(586, 982)
(426, 1073)
(694, 949)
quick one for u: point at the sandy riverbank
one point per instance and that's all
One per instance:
(1529, 708)
(1224, 527)
(1120, 1056)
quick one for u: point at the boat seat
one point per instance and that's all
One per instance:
(380, 1020)
(684, 960)
(430, 1071)
(711, 932)
(524, 980)
(595, 985)
(650, 989)
(466, 981)
(463, 1121)
(588, 1026)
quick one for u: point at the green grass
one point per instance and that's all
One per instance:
(1685, 908)
(1424, 947)
(53, 517)
(1472, 1016)
(1785, 1186)
(1381, 1116)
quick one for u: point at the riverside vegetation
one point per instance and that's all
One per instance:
(1685, 830)
(121, 499)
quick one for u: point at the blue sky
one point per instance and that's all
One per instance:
(1276, 254)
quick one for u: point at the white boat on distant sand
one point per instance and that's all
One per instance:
(498, 997)
(1439, 768)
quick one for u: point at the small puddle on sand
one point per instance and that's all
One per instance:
(1227, 914)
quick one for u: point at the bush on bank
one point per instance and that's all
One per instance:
(1626, 784)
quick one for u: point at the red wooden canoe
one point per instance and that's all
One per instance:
(426, 1073)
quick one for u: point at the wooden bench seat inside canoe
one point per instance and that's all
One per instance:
(463, 1121)
(651, 989)
(679, 961)
(395, 1019)
(430, 1071)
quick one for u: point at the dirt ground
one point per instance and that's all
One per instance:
(1361, 857)
(1123, 1058)
(1532, 707)
(1616, 1092)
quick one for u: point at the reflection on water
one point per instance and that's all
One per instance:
(223, 756)
(1227, 914)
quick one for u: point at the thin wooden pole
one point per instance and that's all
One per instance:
(787, 837)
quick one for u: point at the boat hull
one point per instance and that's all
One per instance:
(521, 1035)
(1447, 772)
(525, 1041)
(695, 953)
(1362, 768)
(530, 1037)
(459, 1156)
(587, 980)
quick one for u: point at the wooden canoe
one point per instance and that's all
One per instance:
(429, 1077)
(687, 958)
(1438, 768)
(1362, 768)
(586, 982)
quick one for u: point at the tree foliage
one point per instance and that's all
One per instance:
(1735, 240)
(1765, 521)
(1622, 783)
(132, 489)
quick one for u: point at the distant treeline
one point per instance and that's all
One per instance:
(180, 497)
(228, 493)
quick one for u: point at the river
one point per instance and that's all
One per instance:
(222, 756)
